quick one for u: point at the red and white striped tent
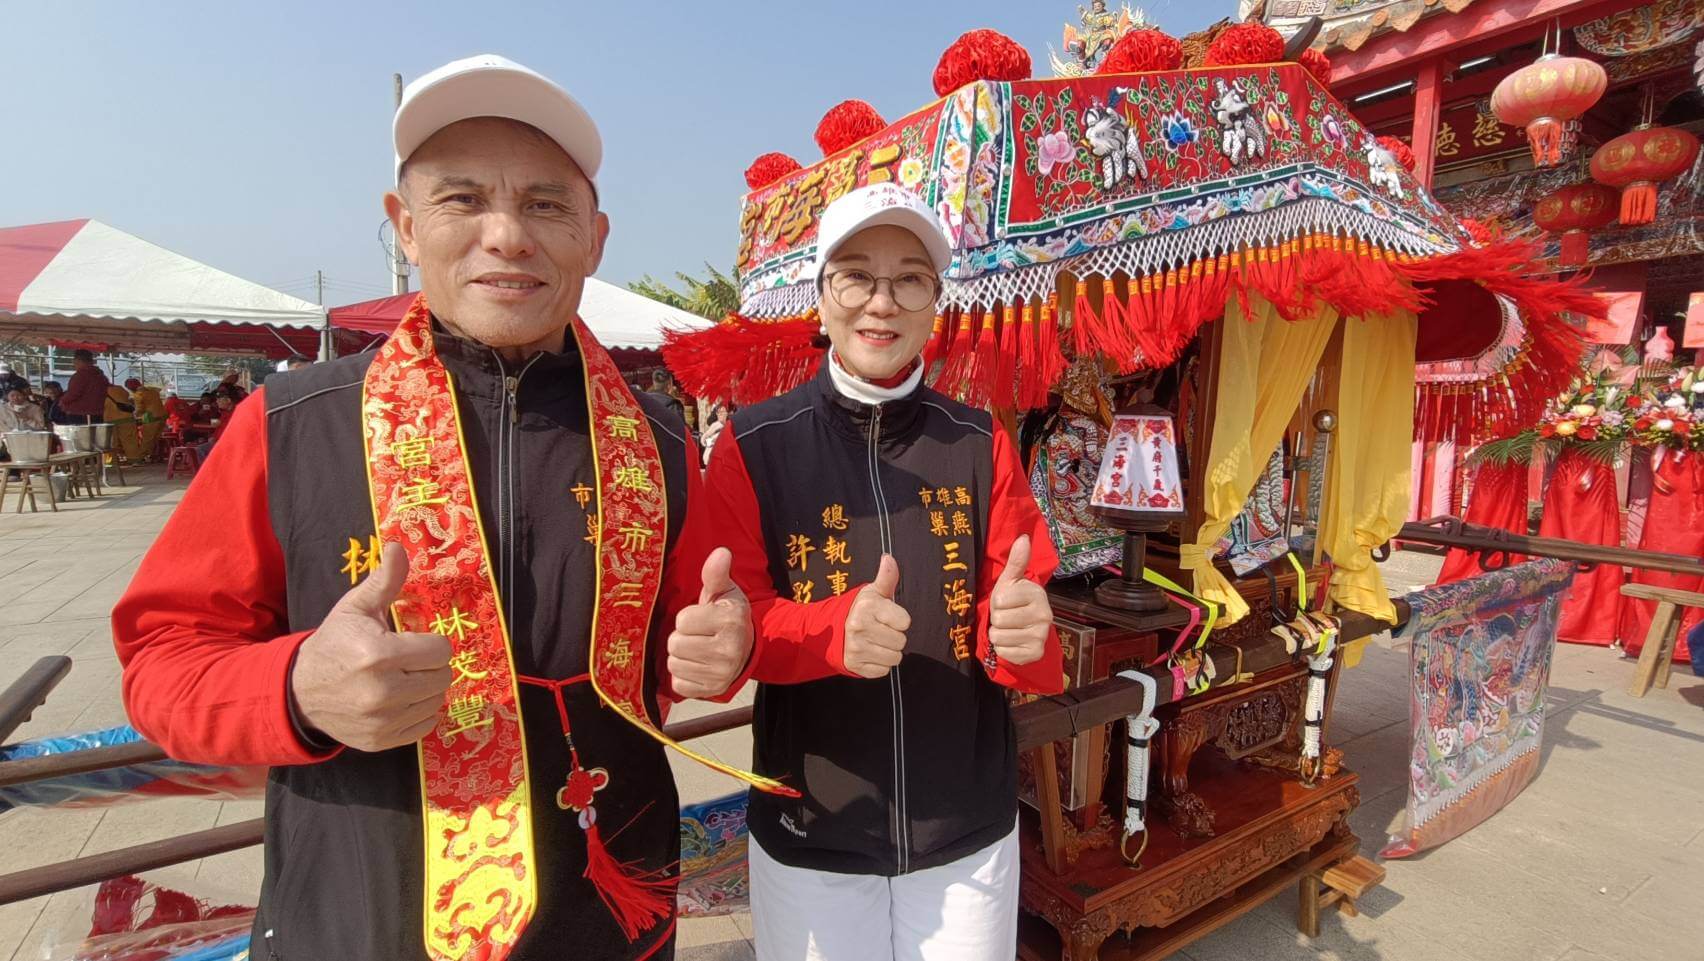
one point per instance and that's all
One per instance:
(82, 283)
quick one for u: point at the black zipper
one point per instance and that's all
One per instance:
(508, 421)
(902, 814)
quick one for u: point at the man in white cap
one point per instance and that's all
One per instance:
(444, 572)
(885, 703)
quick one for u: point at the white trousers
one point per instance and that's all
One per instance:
(963, 911)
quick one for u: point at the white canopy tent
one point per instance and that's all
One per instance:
(620, 318)
(84, 282)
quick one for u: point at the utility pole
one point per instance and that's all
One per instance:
(399, 260)
(325, 352)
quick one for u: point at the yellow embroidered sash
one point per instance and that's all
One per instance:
(480, 872)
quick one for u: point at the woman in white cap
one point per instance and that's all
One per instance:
(893, 555)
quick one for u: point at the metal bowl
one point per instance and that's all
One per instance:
(77, 437)
(29, 445)
(103, 436)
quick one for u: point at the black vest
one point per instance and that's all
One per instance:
(919, 768)
(344, 838)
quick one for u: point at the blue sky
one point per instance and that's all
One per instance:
(256, 137)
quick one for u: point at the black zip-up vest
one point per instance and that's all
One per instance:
(917, 769)
(344, 842)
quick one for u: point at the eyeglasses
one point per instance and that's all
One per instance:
(912, 290)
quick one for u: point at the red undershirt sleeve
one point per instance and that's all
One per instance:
(201, 630)
(1012, 512)
(795, 642)
(683, 573)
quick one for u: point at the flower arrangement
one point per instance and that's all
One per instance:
(1591, 411)
(1672, 416)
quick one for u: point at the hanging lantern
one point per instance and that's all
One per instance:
(1574, 211)
(1637, 161)
(1543, 97)
(1138, 491)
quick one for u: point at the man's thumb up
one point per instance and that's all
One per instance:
(718, 577)
(1017, 561)
(373, 597)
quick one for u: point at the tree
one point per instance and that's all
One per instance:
(714, 297)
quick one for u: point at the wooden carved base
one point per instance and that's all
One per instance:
(1186, 888)
(1241, 721)
(1289, 759)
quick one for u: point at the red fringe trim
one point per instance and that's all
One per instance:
(745, 360)
(1149, 321)
(937, 343)
(1052, 358)
(1515, 398)
(636, 900)
(960, 362)
(979, 384)
(1006, 372)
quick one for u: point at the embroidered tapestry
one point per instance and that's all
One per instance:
(1479, 658)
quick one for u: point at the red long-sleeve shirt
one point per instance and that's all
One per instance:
(798, 642)
(202, 630)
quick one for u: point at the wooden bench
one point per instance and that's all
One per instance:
(26, 470)
(1657, 656)
(1339, 886)
(83, 469)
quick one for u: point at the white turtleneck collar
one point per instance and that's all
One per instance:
(857, 388)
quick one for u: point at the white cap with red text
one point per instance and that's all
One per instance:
(491, 86)
(873, 206)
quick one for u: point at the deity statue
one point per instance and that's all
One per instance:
(1086, 44)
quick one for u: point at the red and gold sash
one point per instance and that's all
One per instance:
(481, 880)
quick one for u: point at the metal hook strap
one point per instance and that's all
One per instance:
(1140, 729)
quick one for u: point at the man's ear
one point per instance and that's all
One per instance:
(600, 236)
(402, 223)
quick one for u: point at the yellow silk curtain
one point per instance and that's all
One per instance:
(1366, 498)
(1265, 363)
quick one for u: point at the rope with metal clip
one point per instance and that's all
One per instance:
(1140, 729)
(1310, 764)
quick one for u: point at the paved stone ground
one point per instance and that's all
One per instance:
(1598, 861)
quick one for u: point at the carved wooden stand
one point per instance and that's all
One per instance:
(1273, 832)
(1232, 827)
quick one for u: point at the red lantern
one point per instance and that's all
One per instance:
(1573, 211)
(1636, 161)
(1543, 97)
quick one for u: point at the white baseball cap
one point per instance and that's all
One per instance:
(873, 206)
(491, 86)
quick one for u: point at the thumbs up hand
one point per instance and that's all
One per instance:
(876, 625)
(362, 684)
(1019, 616)
(712, 639)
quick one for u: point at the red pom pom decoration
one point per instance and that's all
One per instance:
(1141, 51)
(1402, 152)
(845, 124)
(1318, 64)
(981, 55)
(769, 168)
(1245, 43)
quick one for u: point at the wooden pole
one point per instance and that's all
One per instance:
(29, 692)
(1446, 531)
